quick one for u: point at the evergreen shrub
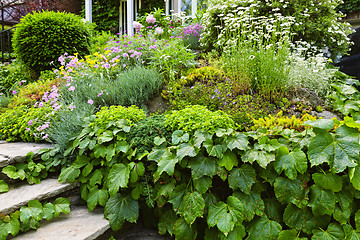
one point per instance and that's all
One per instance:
(40, 38)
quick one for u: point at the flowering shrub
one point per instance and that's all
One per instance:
(191, 35)
(316, 23)
(157, 23)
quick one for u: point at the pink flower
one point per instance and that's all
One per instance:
(150, 18)
(28, 129)
(14, 92)
(45, 136)
(30, 122)
(72, 88)
(101, 93)
(91, 102)
(137, 25)
(125, 55)
(71, 106)
(159, 30)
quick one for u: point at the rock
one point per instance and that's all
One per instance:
(325, 114)
(306, 96)
(158, 104)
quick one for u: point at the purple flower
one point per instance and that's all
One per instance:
(30, 122)
(72, 88)
(71, 106)
(101, 93)
(14, 92)
(28, 129)
(125, 55)
(153, 47)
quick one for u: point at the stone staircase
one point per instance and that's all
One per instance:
(78, 225)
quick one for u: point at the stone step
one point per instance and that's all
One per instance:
(80, 224)
(11, 153)
(20, 194)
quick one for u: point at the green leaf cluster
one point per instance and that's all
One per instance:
(29, 217)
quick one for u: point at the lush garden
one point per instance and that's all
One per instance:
(231, 156)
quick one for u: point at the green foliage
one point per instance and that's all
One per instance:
(12, 75)
(313, 23)
(198, 117)
(3, 186)
(142, 135)
(349, 6)
(29, 217)
(40, 38)
(149, 6)
(132, 87)
(23, 123)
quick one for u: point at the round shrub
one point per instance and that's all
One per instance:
(317, 24)
(40, 38)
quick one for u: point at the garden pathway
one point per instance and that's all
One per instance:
(80, 224)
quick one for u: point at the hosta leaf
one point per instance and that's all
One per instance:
(33, 210)
(167, 222)
(62, 205)
(184, 231)
(202, 166)
(291, 191)
(334, 232)
(252, 203)
(328, 181)
(302, 219)
(69, 174)
(96, 196)
(3, 186)
(120, 209)
(239, 141)
(48, 211)
(339, 154)
(118, 178)
(291, 163)
(262, 157)
(321, 201)
(202, 184)
(264, 228)
(192, 206)
(214, 150)
(185, 149)
(242, 178)
(229, 160)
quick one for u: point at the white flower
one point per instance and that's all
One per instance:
(159, 30)
(137, 25)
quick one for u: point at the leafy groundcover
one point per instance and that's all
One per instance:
(225, 184)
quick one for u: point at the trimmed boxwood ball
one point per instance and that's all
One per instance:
(41, 37)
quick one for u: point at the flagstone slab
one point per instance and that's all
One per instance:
(80, 224)
(11, 153)
(19, 195)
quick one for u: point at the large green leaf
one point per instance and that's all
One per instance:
(274, 209)
(288, 234)
(357, 220)
(166, 164)
(200, 137)
(184, 231)
(3, 186)
(179, 136)
(120, 209)
(341, 216)
(262, 157)
(96, 196)
(107, 136)
(118, 178)
(202, 166)
(225, 215)
(216, 150)
(334, 232)
(48, 211)
(242, 178)
(13, 173)
(354, 175)
(325, 124)
(328, 181)
(264, 228)
(291, 163)
(229, 160)
(321, 201)
(338, 153)
(167, 222)
(291, 191)
(3, 231)
(185, 149)
(202, 184)
(239, 141)
(33, 210)
(192, 207)
(69, 174)
(95, 177)
(62, 205)
(177, 196)
(302, 219)
(13, 227)
(252, 203)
